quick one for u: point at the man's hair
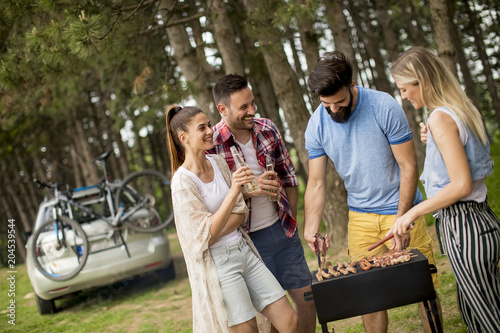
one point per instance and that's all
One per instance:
(227, 85)
(333, 71)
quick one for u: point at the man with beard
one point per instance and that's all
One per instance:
(271, 224)
(366, 134)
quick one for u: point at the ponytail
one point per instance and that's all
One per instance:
(177, 119)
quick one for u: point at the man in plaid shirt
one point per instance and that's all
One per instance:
(271, 224)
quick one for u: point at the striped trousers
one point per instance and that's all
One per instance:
(471, 233)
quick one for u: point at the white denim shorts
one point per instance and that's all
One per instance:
(247, 284)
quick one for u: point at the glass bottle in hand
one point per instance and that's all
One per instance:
(239, 161)
(270, 167)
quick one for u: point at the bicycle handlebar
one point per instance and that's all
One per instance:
(54, 186)
(41, 184)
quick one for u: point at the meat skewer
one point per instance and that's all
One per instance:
(320, 248)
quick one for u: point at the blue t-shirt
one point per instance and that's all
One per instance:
(361, 150)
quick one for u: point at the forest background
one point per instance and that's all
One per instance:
(80, 77)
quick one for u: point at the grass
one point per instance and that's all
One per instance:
(147, 304)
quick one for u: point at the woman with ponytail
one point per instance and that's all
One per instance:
(457, 162)
(229, 281)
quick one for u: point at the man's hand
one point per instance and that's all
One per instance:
(268, 181)
(312, 240)
(401, 242)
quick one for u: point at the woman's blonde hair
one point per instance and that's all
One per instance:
(438, 86)
(178, 119)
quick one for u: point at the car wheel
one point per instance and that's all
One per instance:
(167, 273)
(44, 306)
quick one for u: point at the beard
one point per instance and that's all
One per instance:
(343, 114)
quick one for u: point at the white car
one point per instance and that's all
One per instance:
(111, 258)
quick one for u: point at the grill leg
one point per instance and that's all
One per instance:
(435, 312)
(324, 328)
(433, 315)
(429, 316)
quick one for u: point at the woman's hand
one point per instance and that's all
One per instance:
(241, 177)
(400, 230)
(402, 224)
(423, 133)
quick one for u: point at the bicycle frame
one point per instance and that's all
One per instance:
(121, 211)
(64, 202)
(115, 217)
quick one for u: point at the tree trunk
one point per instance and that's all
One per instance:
(160, 154)
(298, 68)
(370, 38)
(21, 245)
(89, 172)
(27, 194)
(468, 81)
(308, 35)
(76, 168)
(341, 31)
(365, 70)
(260, 80)
(413, 24)
(21, 249)
(123, 160)
(39, 168)
(225, 38)
(191, 9)
(288, 91)
(390, 38)
(415, 131)
(139, 148)
(481, 51)
(153, 149)
(107, 125)
(187, 59)
(442, 33)
(18, 207)
(391, 43)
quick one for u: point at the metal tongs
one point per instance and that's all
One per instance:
(320, 248)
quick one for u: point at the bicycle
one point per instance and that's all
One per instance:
(141, 202)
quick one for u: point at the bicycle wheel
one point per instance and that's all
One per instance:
(60, 248)
(146, 202)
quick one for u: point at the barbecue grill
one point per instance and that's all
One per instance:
(377, 289)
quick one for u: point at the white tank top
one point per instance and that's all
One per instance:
(264, 211)
(213, 194)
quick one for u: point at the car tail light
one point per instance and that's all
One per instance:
(154, 264)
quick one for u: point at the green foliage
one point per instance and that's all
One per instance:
(84, 34)
(287, 12)
(493, 181)
(66, 58)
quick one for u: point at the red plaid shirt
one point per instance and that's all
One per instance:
(267, 141)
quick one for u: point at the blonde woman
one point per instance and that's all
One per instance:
(456, 164)
(229, 281)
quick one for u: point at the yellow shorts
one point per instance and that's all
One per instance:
(366, 229)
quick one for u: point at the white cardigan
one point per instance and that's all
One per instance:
(192, 221)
